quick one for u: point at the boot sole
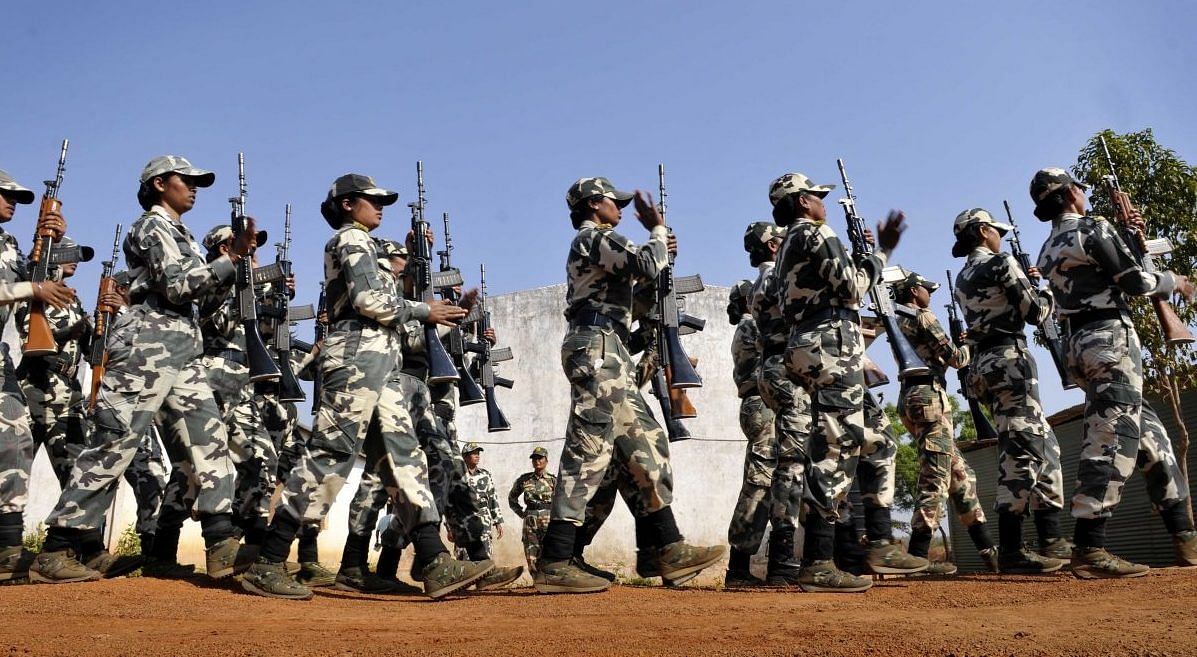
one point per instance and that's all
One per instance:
(679, 576)
(890, 570)
(319, 584)
(1097, 574)
(1028, 571)
(35, 576)
(124, 570)
(815, 588)
(459, 585)
(222, 573)
(559, 588)
(345, 587)
(6, 577)
(491, 586)
(248, 586)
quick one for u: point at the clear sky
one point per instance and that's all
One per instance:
(935, 107)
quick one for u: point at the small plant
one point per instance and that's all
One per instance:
(36, 539)
(129, 543)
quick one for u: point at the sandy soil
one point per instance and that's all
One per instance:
(969, 615)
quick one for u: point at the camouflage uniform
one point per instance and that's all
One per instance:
(480, 481)
(998, 301)
(16, 439)
(536, 491)
(1092, 272)
(147, 476)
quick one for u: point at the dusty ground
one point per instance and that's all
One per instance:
(971, 615)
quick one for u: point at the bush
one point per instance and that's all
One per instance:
(129, 544)
(36, 539)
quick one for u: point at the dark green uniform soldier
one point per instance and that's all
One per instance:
(530, 498)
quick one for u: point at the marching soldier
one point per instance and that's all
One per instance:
(609, 418)
(154, 369)
(16, 439)
(361, 365)
(820, 289)
(999, 300)
(1092, 272)
(927, 414)
(535, 488)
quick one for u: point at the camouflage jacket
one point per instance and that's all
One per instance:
(483, 485)
(817, 273)
(14, 274)
(537, 491)
(1090, 267)
(997, 297)
(934, 346)
(164, 259)
(64, 323)
(746, 356)
(772, 332)
(604, 268)
(360, 285)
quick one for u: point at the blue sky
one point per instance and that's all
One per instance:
(935, 107)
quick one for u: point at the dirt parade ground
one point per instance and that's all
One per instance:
(968, 615)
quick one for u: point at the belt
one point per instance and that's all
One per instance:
(595, 319)
(773, 349)
(829, 313)
(1077, 320)
(923, 380)
(229, 354)
(1001, 340)
(157, 302)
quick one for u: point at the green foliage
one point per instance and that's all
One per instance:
(36, 539)
(129, 543)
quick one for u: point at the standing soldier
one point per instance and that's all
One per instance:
(536, 489)
(154, 369)
(927, 414)
(821, 288)
(609, 418)
(998, 301)
(1092, 272)
(16, 439)
(480, 481)
(361, 365)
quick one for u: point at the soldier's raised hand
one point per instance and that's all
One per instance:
(889, 232)
(646, 211)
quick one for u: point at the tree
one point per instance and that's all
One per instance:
(1164, 189)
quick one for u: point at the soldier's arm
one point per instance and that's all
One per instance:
(1106, 246)
(941, 345)
(223, 319)
(13, 292)
(513, 497)
(369, 294)
(492, 500)
(1034, 305)
(847, 281)
(179, 275)
(617, 254)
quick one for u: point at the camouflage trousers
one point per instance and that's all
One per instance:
(147, 476)
(877, 468)
(943, 472)
(1121, 432)
(360, 366)
(751, 514)
(536, 523)
(826, 359)
(153, 370)
(609, 421)
(16, 441)
(791, 410)
(1006, 380)
(56, 415)
(616, 481)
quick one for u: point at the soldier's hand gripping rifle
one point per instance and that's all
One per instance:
(288, 384)
(320, 333)
(40, 341)
(261, 364)
(909, 363)
(1175, 331)
(98, 353)
(495, 420)
(419, 270)
(1047, 331)
(448, 282)
(984, 427)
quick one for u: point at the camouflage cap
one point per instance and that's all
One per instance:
(470, 448)
(16, 191)
(913, 280)
(164, 164)
(1049, 180)
(223, 233)
(122, 278)
(737, 301)
(761, 232)
(968, 219)
(793, 183)
(586, 188)
(392, 249)
(356, 183)
(539, 453)
(83, 253)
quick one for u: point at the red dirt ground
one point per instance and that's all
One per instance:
(968, 615)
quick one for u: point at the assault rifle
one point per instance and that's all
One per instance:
(495, 420)
(320, 333)
(1047, 331)
(1176, 332)
(468, 391)
(40, 341)
(909, 363)
(441, 368)
(98, 353)
(288, 385)
(261, 365)
(984, 427)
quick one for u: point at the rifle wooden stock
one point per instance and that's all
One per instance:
(40, 340)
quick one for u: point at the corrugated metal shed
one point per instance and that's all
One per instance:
(1135, 532)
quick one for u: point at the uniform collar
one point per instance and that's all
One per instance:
(767, 266)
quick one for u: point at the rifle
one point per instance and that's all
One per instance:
(441, 368)
(261, 364)
(320, 333)
(468, 391)
(98, 355)
(984, 427)
(40, 341)
(909, 363)
(495, 420)
(288, 385)
(1175, 331)
(1047, 332)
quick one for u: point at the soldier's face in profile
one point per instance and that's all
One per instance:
(178, 192)
(7, 207)
(365, 210)
(473, 458)
(606, 211)
(922, 296)
(815, 209)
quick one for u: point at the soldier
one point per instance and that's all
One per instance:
(482, 483)
(536, 489)
(820, 289)
(16, 439)
(1092, 272)
(999, 300)
(154, 369)
(609, 418)
(361, 362)
(927, 414)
